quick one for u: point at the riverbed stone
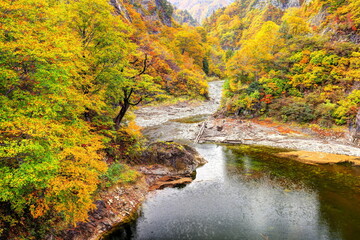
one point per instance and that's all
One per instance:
(170, 181)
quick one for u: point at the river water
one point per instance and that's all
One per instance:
(248, 192)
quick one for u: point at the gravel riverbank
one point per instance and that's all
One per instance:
(183, 121)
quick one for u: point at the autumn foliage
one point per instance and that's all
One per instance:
(64, 66)
(298, 64)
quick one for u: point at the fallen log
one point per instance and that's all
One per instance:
(200, 132)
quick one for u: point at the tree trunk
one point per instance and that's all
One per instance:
(125, 104)
(121, 115)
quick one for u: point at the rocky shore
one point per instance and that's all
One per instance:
(310, 146)
(163, 164)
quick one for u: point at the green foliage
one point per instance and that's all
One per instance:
(118, 173)
(324, 112)
(167, 7)
(206, 66)
(297, 111)
(347, 108)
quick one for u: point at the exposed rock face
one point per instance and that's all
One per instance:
(183, 16)
(282, 4)
(165, 11)
(169, 164)
(169, 181)
(356, 129)
(154, 10)
(120, 9)
(118, 204)
(200, 9)
(151, 10)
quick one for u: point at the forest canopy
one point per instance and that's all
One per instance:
(66, 68)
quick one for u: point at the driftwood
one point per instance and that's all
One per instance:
(200, 132)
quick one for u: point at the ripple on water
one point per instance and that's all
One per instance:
(244, 194)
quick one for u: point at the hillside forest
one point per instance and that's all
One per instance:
(293, 64)
(71, 73)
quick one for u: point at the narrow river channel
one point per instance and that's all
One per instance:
(248, 192)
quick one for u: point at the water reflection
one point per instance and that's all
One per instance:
(236, 196)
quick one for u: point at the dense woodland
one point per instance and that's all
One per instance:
(70, 72)
(295, 64)
(67, 71)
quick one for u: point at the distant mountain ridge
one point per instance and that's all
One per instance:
(200, 9)
(183, 16)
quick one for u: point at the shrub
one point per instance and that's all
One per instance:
(118, 173)
(324, 112)
(297, 111)
(348, 108)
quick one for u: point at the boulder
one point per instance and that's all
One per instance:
(178, 159)
(168, 181)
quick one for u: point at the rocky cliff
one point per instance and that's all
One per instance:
(282, 4)
(183, 16)
(150, 10)
(120, 9)
(200, 9)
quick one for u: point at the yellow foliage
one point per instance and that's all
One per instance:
(71, 192)
(133, 130)
(297, 25)
(261, 47)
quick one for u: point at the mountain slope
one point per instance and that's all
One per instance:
(200, 9)
(291, 63)
(183, 16)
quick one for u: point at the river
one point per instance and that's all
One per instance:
(180, 121)
(248, 192)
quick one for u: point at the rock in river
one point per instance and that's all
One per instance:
(177, 158)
